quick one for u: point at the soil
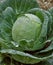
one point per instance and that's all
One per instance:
(45, 4)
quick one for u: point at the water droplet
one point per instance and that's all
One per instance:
(15, 44)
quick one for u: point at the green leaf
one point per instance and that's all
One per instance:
(51, 12)
(25, 57)
(49, 48)
(19, 6)
(48, 62)
(49, 24)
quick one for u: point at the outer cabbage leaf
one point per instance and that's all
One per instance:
(51, 12)
(24, 57)
(19, 6)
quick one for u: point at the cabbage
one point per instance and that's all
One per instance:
(26, 33)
